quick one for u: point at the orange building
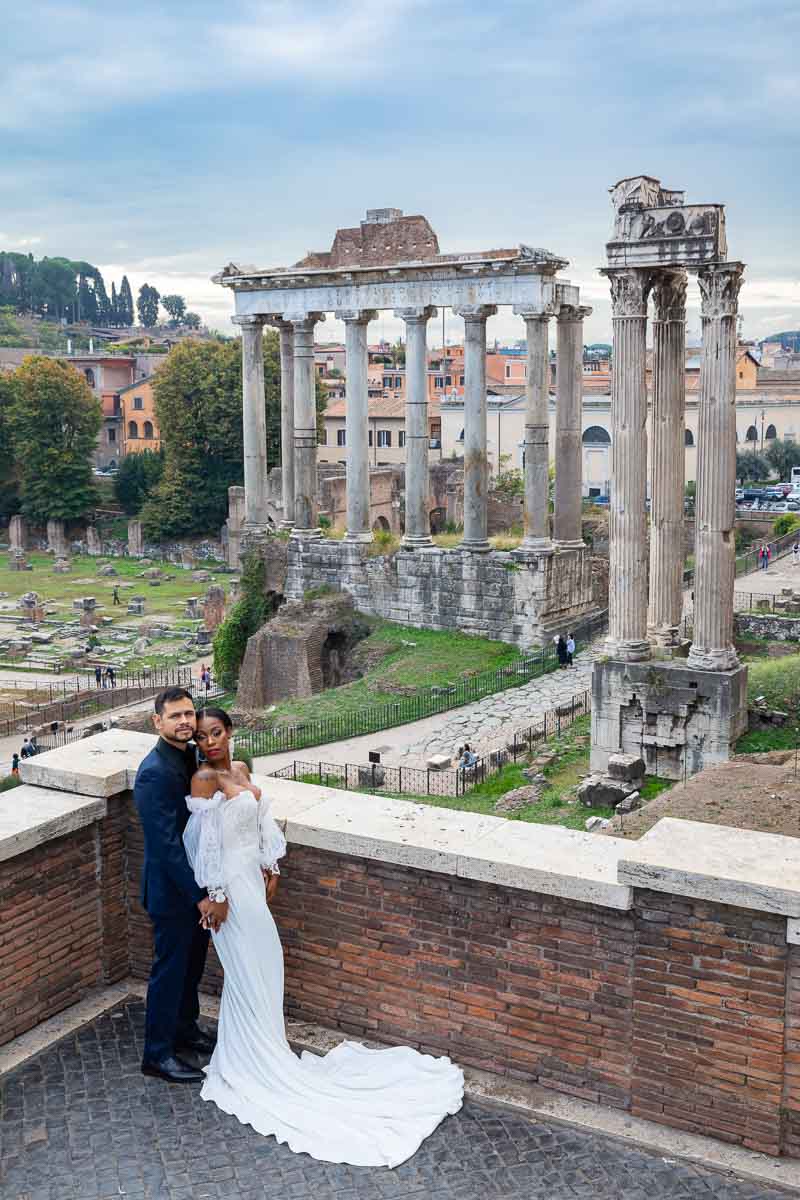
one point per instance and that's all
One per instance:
(139, 423)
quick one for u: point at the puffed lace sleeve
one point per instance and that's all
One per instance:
(271, 842)
(202, 839)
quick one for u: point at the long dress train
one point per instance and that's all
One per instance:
(354, 1105)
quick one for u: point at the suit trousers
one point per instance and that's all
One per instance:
(179, 957)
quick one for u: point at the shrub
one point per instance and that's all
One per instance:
(785, 524)
(8, 782)
(245, 618)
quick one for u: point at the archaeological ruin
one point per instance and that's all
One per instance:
(678, 713)
(392, 261)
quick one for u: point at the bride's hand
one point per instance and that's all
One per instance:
(271, 882)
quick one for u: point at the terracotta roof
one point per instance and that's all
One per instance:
(379, 406)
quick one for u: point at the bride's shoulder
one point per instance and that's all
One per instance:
(205, 781)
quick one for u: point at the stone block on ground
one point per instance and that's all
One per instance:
(625, 766)
(518, 798)
(601, 791)
(438, 762)
(630, 803)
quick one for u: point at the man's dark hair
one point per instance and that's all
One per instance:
(169, 695)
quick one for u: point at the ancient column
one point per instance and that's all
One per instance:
(627, 589)
(287, 423)
(537, 426)
(668, 423)
(476, 473)
(712, 644)
(305, 427)
(254, 423)
(418, 523)
(359, 527)
(569, 450)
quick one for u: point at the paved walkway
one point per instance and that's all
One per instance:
(484, 724)
(80, 1122)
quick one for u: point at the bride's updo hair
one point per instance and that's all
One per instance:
(216, 714)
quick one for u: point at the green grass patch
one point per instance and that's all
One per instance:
(758, 741)
(777, 680)
(405, 662)
(653, 786)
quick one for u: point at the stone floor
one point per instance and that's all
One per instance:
(80, 1122)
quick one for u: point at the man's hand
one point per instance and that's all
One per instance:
(271, 882)
(213, 913)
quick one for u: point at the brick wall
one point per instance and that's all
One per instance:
(681, 1011)
(65, 923)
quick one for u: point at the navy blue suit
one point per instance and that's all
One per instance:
(170, 895)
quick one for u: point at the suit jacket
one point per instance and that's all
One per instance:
(162, 784)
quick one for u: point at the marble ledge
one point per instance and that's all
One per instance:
(102, 765)
(31, 816)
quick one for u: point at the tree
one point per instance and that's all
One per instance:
(55, 419)
(113, 312)
(175, 306)
(125, 303)
(147, 306)
(137, 477)
(750, 467)
(782, 456)
(9, 470)
(191, 320)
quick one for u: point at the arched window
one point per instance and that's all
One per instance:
(133, 429)
(688, 437)
(89, 376)
(595, 435)
(148, 429)
(752, 434)
(461, 436)
(771, 433)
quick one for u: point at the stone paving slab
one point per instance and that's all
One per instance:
(80, 1122)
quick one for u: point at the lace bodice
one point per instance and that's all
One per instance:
(223, 832)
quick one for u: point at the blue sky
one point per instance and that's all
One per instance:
(166, 140)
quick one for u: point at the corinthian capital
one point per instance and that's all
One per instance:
(719, 289)
(249, 321)
(416, 313)
(573, 312)
(630, 287)
(475, 312)
(669, 294)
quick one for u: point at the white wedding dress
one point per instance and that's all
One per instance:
(356, 1105)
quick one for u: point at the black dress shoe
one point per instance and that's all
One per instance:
(174, 1070)
(199, 1042)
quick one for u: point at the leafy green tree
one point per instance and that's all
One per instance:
(147, 306)
(9, 471)
(786, 523)
(55, 419)
(175, 306)
(137, 477)
(191, 320)
(113, 309)
(782, 456)
(750, 467)
(125, 303)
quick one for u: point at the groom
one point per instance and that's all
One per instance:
(174, 902)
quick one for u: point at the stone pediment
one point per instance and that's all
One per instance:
(653, 227)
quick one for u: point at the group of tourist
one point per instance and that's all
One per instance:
(565, 649)
(466, 758)
(105, 676)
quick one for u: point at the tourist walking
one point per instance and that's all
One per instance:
(115, 594)
(765, 554)
(561, 650)
(111, 676)
(570, 648)
(796, 554)
(98, 675)
(15, 765)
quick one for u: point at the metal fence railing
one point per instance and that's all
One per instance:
(417, 781)
(749, 561)
(425, 703)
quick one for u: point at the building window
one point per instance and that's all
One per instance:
(461, 380)
(133, 429)
(384, 437)
(112, 435)
(401, 438)
(688, 437)
(148, 429)
(460, 437)
(138, 403)
(752, 434)
(595, 435)
(438, 382)
(370, 437)
(771, 433)
(89, 376)
(117, 406)
(398, 382)
(508, 370)
(341, 436)
(448, 381)
(387, 381)
(741, 374)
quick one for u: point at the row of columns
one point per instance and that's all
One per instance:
(299, 428)
(640, 617)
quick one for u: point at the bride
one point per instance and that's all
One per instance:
(356, 1105)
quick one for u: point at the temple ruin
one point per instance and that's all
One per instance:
(393, 262)
(678, 713)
